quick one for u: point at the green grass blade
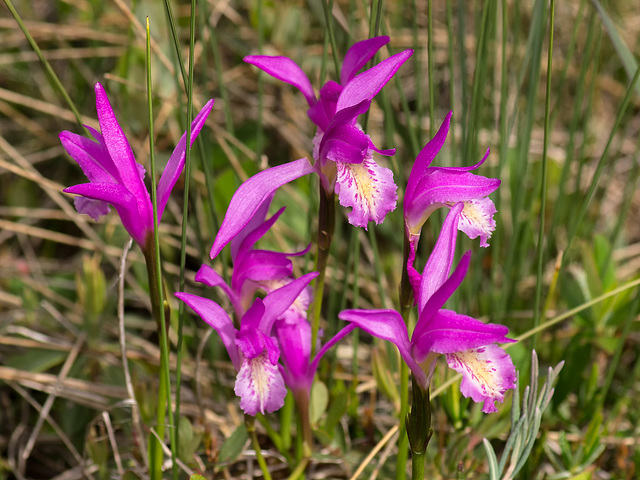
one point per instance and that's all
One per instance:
(543, 187)
(626, 56)
(53, 78)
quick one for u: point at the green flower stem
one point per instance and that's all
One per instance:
(302, 405)
(299, 470)
(419, 429)
(326, 226)
(417, 465)
(406, 302)
(160, 311)
(250, 423)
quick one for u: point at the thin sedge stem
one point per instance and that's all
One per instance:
(183, 240)
(327, 7)
(543, 186)
(430, 69)
(154, 269)
(259, 120)
(417, 67)
(601, 163)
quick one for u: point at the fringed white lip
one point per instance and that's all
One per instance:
(476, 219)
(260, 385)
(368, 188)
(487, 373)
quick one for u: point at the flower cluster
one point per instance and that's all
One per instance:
(270, 342)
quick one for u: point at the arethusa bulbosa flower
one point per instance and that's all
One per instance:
(467, 343)
(430, 188)
(114, 175)
(343, 153)
(252, 348)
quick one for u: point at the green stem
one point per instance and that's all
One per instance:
(419, 428)
(302, 405)
(300, 468)
(406, 302)
(155, 446)
(417, 465)
(250, 423)
(326, 226)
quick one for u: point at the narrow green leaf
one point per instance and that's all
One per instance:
(493, 461)
(626, 56)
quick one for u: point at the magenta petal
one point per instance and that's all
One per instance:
(445, 186)
(254, 231)
(257, 222)
(442, 294)
(324, 110)
(261, 266)
(89, 206)
(279, 301)
(344, 143)
(176, 162)
(124, 202)
(215, 316)
(121, 153)
(450, 332)
(358, 55)
(295, 350)
(367, 85)
(438, 266)
(386, 325)
(211, 278)
(250, 196)
(287, 70)
(424, 159)
(92, 157)
(487, 373)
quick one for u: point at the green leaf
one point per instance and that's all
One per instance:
(36, 360)
(319, 401)
(494, 474)
(234, 445)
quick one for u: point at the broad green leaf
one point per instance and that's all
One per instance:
(319, 401)
(234, 445)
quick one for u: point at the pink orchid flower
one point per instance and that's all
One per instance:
(114, 175)
(467, 344)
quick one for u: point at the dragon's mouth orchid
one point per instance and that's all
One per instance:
(252, 349)
(343, 152)
(468, 344)
(114, 175)
(430, 188)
